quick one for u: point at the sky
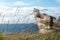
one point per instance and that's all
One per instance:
(41, 3)
(9, 9)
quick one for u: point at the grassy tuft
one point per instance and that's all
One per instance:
(30, 36)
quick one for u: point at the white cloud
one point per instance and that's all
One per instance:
(6, 19)
(20, 3)
(3, 8)
(24, 13)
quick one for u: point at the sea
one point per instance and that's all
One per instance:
(10, 28)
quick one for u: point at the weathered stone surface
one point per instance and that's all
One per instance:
(45, 22)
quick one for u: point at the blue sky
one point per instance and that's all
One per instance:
(42, 3)
(8, 8)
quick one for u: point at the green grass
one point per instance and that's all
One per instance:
(30, 36)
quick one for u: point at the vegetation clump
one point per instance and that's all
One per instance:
(30, 36)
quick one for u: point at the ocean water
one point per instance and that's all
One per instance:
(31, 27)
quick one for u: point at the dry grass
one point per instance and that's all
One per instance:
(30, 36)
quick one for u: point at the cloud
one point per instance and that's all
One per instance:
(11, 6)
(3, 7)
(53, 11)
(6, 19)
(15, 4)
(58, 1)
(20, 3)
(25, 14)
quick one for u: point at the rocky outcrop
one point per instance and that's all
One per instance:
(59, 19)
(45, 22)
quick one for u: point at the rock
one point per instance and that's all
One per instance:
(59, 19)
(45, 22)
(44, 31)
